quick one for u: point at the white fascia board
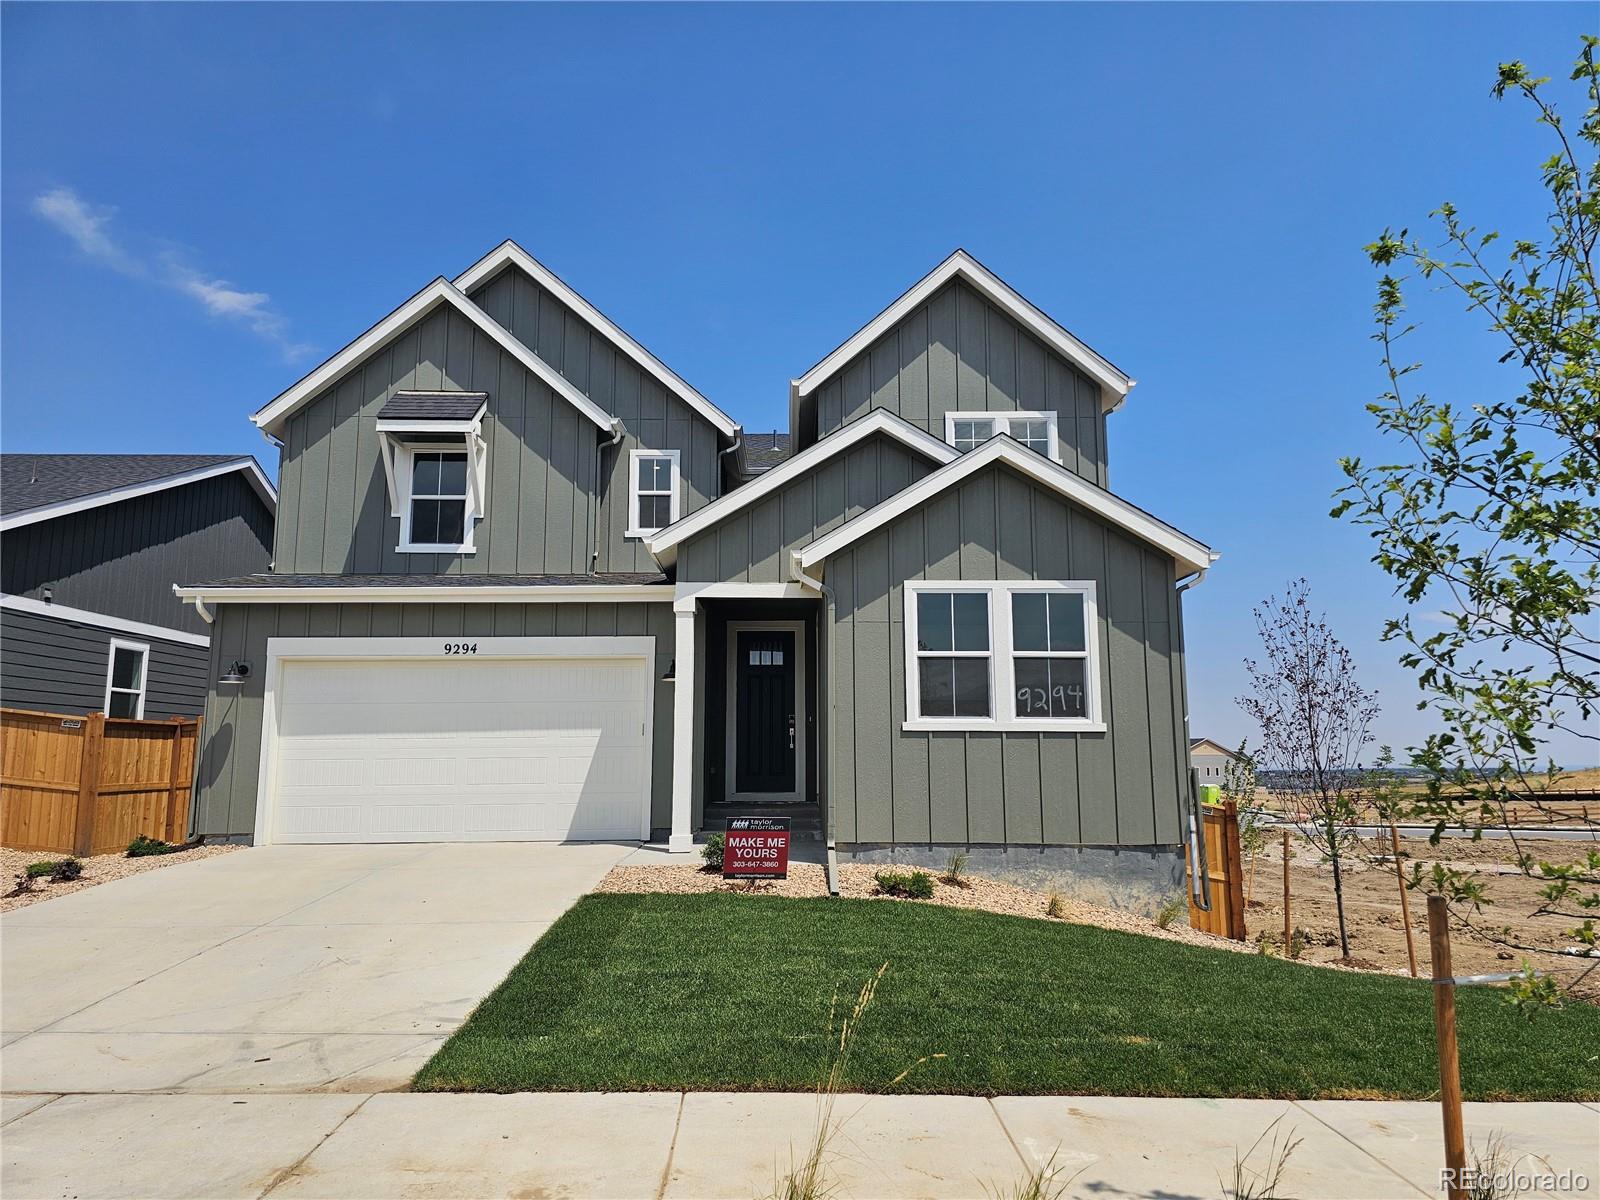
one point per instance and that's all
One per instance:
(509, 252)
(878, 421)
(622, 593)
(1189, 554)
(440, 291)
(253, 473)
(82, 616)
(998, 292)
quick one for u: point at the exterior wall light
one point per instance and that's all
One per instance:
(236, 674)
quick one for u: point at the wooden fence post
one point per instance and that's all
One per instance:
(1287, 928)
(94, 734)
(1405, 904)
(1230, 835)
(170, 825)
(1444, 1024)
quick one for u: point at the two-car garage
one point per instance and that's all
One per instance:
(429, 740)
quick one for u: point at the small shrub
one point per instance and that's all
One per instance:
(1055, 907)
(1168, 912)
(955, 869)
(143, 847)
(913, 885)
(711, 852)
(39, 870)
(1298, 941)
(66, 871)
(20, 883)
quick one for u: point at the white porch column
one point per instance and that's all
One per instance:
(684, 654)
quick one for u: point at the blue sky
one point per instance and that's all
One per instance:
(200, 202)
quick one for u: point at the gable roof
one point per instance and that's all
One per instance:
(39, 487)
(508, 252)
(271, 418)
(1199, 743)
(962, 265)
(763, 451)
(1189, 554)
(663, 543)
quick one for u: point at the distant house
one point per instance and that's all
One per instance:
(90, 547)
(1210, 759)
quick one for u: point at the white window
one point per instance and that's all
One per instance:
(1016, 655)
(437, 514)
(653, 491)
(1035, 430)
(125, 678)
(436, 469)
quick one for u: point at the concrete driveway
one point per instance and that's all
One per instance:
(280, 969)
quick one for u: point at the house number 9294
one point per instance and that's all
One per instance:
(461, 647)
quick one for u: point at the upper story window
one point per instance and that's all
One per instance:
(125, 678)
(435, 461)
(1035, 430)
(1013, 655)
(653, 491)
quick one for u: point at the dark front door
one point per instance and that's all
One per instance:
(764, 710)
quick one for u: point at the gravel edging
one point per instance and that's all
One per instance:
(102, 868)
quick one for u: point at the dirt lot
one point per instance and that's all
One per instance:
(1372, 907)
(102, 868)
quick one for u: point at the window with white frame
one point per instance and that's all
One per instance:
(126, 670)
(1035, 430)
(653, 491)
(1017, 655)
(438, 499)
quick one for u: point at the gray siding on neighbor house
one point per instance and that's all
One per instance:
(1118, 788)
(334, 514)
(122, 559)
(55, 665)
(959, 353)
(225, 791)
(752, 545)
(654, 419)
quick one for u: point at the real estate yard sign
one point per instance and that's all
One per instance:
(756, 848)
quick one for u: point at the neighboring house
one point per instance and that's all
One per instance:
(529, 583)
(1210, 760)
(90, 547)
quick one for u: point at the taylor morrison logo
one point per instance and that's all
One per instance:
(1513, 1181)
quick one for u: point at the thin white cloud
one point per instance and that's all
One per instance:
(89, 228)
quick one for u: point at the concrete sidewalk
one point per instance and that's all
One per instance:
(703, 1145)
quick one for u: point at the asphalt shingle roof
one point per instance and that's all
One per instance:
(433, 406)
(30, 481)
(763, 451)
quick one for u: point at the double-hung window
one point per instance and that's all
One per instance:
(1013, 655)
(437, 513)
(1035, 430)
(435, 465)
(653, 491)
(125, 678)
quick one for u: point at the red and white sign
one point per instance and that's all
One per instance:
(756, 848)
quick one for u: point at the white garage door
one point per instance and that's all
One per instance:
(461, 749)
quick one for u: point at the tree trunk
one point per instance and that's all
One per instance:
(1338, 899)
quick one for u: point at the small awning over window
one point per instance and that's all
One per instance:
(424, 420)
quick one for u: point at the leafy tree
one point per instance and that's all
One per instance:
(1488, 521)
(1315, 719)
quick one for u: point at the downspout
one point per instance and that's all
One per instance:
(599, 459)
(831, 865)
(277, 445)
(738, 440)
(1199, 868)
(199, 602)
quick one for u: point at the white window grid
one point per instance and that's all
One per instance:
(142, 649)
(1036, 430)
(674, 490)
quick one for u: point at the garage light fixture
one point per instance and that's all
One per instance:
(671, 673)
(236, 673)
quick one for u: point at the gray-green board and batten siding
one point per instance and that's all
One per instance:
(226, 781)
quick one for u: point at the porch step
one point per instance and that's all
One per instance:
(805, 821)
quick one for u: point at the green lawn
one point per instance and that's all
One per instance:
(719, 992)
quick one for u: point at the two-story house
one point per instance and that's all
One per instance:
(90, 546)
(531, 584)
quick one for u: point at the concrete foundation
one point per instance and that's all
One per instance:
(1136, 879)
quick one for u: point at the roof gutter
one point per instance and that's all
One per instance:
(199, 602)
(488, 594)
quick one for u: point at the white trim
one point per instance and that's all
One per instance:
(82, 616)
(684, 650)
(46, 512)
(1189, 554)
(674, 493)
(630, 593)
(1049, 417)
(143, 651)
(998, 292)
(878, 421)
(1002, 658)
(730, 791)
(367, 649)
(441, 290)
(689, 594)
(509, 252)
(405, 468)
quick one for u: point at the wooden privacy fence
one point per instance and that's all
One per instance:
(90, 785)
(1224, 870)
